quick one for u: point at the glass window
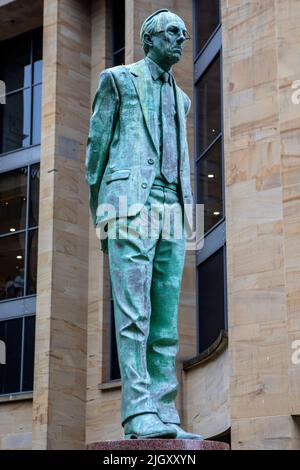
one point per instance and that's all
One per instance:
(18, 233)
(16, 375)
(207, 20)
(21, 71)
(208, 92)
(37, 56)
(12, 256)
(211, 299)
(114, 366)
(13, 193)
(15, 64)
(15, 121)
(34, 195)
(118, 58)
(118, 32)
(210, 184)
(32, 262)
(28, 353)
(10, 372)
(37, 114)
(211, 292)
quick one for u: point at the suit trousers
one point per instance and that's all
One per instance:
(146, 268)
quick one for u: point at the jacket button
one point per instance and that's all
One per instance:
(144, 185)
(151, 161)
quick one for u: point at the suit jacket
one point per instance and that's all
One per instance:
(123, 145)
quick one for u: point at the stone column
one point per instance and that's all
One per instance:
(61, 317)
(261, 47)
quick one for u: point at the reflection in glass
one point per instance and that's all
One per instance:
(207, 20)
(32, 262)
(211, 299)
(12, 255)
(13, 200)
(10, 373)
(34, 195)
(37, 115)
(15, 121)
(15, 68)
(28, 354)
(37, 56)
(210, 189)
(209, 105)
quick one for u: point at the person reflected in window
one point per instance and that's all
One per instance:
(10, 291)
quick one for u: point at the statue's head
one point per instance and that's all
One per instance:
(163, 36)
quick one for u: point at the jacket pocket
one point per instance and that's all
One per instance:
(118, 175)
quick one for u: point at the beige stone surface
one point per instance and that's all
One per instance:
(206, 397)
(61, 316)
(16, 425)
(260, 40)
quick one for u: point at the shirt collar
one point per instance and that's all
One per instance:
(155, 70)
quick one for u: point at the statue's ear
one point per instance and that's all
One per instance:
(148, 40)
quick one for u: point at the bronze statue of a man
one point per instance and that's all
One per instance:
(137, 151)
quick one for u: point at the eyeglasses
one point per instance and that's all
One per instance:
(174, 31)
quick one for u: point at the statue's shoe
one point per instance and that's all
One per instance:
(181, 434)
(147, 426)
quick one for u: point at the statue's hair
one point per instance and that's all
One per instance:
(150, 26)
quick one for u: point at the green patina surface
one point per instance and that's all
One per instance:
(137, 148)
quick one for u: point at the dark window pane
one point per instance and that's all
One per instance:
(13, 200)
(119, 58)
(11, 334)
(118, 24)
(28, 354)
(209, 106)
(15, 67)
(114, 361)
(207, 20)
(32, 261)
(37, 115)
(34, 195)
(211, 299)
(210, 188)
(15, 121)
(37, 56)
(12, 255)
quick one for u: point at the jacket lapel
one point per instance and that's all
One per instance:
(142, 81)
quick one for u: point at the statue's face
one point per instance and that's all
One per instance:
(167, 43)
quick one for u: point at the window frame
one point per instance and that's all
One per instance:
(215, 237)
(113, 357)
(30, 87)
(22, 307)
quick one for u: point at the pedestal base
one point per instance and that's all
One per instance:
(157, 444)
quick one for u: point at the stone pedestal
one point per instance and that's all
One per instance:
(158, 444)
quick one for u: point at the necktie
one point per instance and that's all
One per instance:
(169, 164)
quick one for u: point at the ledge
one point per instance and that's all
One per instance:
(112, 385)
(16, 397)
(210, 353)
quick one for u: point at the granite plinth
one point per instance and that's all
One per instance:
(158, 444)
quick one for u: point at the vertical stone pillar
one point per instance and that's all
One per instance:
(260, 47)
(61, 317)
